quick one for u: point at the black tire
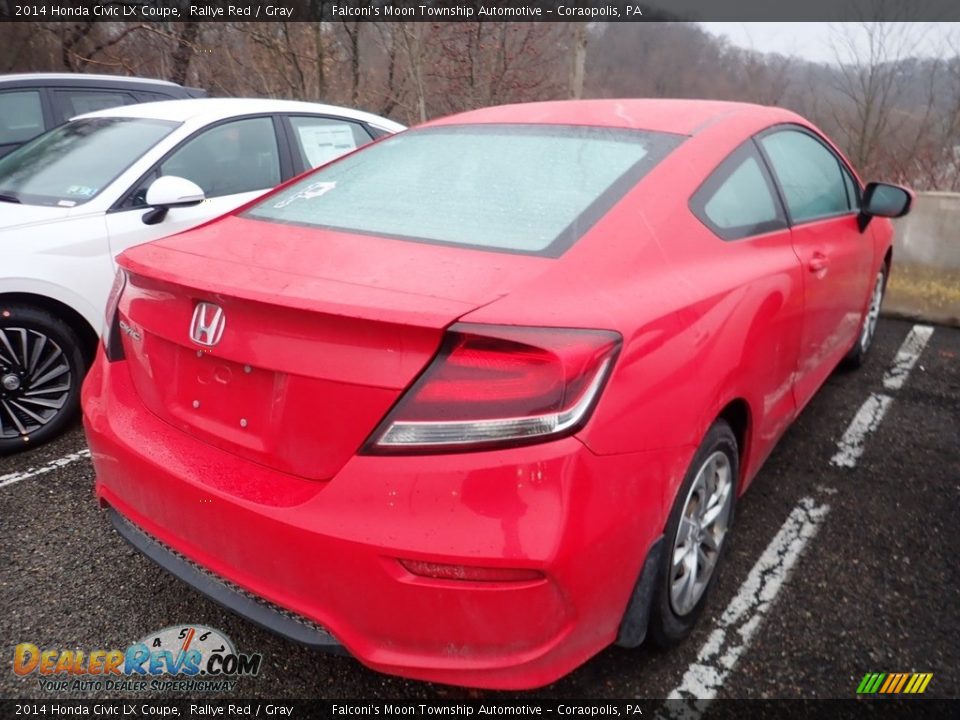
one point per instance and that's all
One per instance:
(42, 366)
(868, 325)
(669, 622)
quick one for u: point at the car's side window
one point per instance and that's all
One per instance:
(853, 189)
(738, 199)
(21, 116)
(377, 132)
(320, 140)
(138, 198)
(145, 96)
(235, 157)
(809, 173)
(69, 103)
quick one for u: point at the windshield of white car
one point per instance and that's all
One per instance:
(532, 189)
(72, 164)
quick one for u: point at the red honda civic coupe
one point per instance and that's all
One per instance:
(477, 401)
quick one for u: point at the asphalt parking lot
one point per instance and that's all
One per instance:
(833, 571)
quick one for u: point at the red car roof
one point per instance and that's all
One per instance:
(686, 117)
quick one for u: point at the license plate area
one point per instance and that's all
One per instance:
(232, 401)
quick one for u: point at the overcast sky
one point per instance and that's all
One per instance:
(812, 40)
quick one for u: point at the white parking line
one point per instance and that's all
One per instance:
(868, 417)
(738, 624)
(850, 446)
(743, 616)
(15, 477)
(907, 356)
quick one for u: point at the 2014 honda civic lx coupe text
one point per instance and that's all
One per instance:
(476, 401)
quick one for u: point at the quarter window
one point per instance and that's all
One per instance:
(737, 200)
(321, 140)
(809, 174)
(20, 116)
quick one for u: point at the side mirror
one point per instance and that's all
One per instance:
(168, 192)
(884, 200)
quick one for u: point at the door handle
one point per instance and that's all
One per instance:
(818, 262)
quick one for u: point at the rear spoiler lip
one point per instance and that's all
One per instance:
(319, 294)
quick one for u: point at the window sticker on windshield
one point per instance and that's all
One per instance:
(309, 192)
(323, 143)
(66, 203)
(81, 190)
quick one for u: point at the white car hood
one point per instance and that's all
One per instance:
(13, 215)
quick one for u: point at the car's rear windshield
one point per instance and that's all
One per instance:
(530, 189)
(73, 163)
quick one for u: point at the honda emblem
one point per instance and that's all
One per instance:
(207, 325)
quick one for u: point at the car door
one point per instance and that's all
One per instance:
(822, 203)
(233, 162)
(739, 203)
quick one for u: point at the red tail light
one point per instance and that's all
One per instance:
(499, 385)
(110, 336)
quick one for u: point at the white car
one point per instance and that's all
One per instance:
(72, 199)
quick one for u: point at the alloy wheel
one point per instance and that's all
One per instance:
(703, 526)
(873, 314)
(35, 381)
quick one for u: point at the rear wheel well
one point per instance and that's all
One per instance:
(737, 416)
(76, 321)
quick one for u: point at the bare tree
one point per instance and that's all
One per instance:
(578, 60)
(490, 63)
(184, 50)
(948, 146)
(16, 44)
(85, 45)
(384, 69)
(767, 77)
(896, 116)
(412, 39)
(870, 83)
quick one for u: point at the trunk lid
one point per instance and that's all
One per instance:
(322, 332)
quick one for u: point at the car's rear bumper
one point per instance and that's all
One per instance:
(328, 553)
(232, 597)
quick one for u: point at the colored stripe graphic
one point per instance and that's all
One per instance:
(891, 680)
(870, 683)
(921, 682)
(894, 683)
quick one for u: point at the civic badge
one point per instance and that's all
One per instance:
(207, 325)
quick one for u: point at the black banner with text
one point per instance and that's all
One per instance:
(481, 710)
(476, 10)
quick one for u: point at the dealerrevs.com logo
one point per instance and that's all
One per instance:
(179, 658)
